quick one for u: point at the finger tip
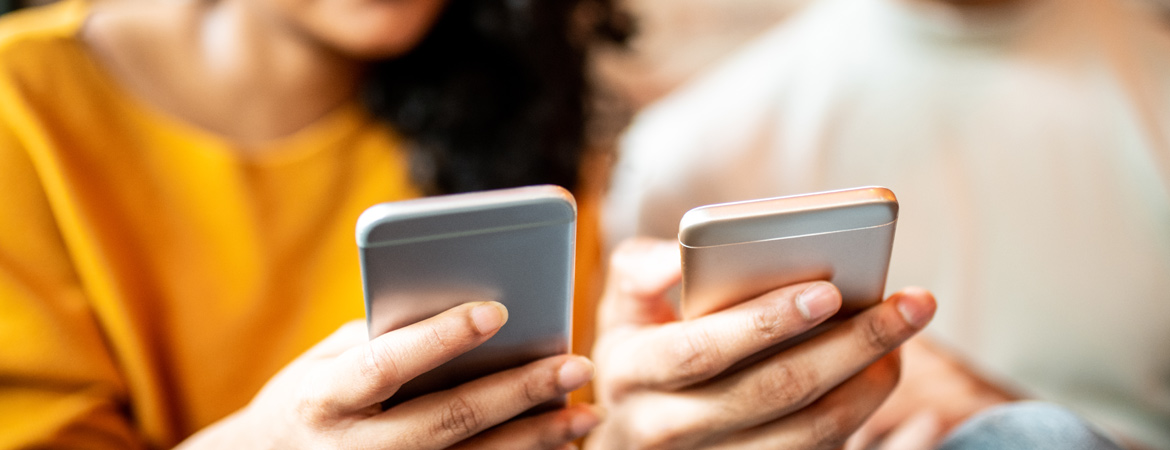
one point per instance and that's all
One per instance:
(585, 361)
(818, 300)
(917, 306)
(489, 316)
(827, 286)
(504, 313)
(583, 421)
(575, 372)
(502, 308)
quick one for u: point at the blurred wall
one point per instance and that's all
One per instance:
(677, 38)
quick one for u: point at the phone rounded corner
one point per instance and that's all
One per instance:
(691, 227)
(367, 222)
(885, 196)
(560, 195)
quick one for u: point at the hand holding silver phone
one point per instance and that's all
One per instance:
(515, 246)
(733, 252)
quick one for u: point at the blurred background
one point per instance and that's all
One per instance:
(675, 40)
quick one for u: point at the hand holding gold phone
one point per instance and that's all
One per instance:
(732, 252)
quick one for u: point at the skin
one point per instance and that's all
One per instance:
(252, 71)
(665, 384)
(938, 392)
(329, 397)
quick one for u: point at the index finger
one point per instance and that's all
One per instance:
(692, 351)
(371, 373)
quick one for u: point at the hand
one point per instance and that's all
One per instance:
(330, 396)
(937, 393)
(662, 380)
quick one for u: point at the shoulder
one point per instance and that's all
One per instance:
(38, 47)
(59, 19)
(32, 31)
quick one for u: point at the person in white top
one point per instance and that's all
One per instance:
(1028, 142)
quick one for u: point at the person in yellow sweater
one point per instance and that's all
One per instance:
(179, 184)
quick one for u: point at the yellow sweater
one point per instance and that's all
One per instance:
(152, 278)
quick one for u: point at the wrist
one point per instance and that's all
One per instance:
(233, 431)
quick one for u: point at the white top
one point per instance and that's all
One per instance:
(1030, 152)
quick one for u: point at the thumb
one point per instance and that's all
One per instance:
(641, 271)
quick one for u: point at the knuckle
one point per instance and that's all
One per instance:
(878, 335)
(784, 385)
(460, 419)
(441, 341)
(310, 408)
(540, 387)
(378, 362)
(697, 357)
(770, 323)
(830, 430)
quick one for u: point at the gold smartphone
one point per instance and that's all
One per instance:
(732, 252)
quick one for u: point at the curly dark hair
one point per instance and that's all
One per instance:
(496, 94)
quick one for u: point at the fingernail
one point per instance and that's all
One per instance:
(574, 373)
(489, 317)
(914, 307)
(817, 301)
(582, 423)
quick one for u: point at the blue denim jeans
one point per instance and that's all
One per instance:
(1027, 425)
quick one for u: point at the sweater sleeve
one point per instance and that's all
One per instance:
(59, 383)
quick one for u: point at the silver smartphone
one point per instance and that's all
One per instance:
(733, 252)
(515, 246)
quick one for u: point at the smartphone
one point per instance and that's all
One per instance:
(515, 246)
(733, 252)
